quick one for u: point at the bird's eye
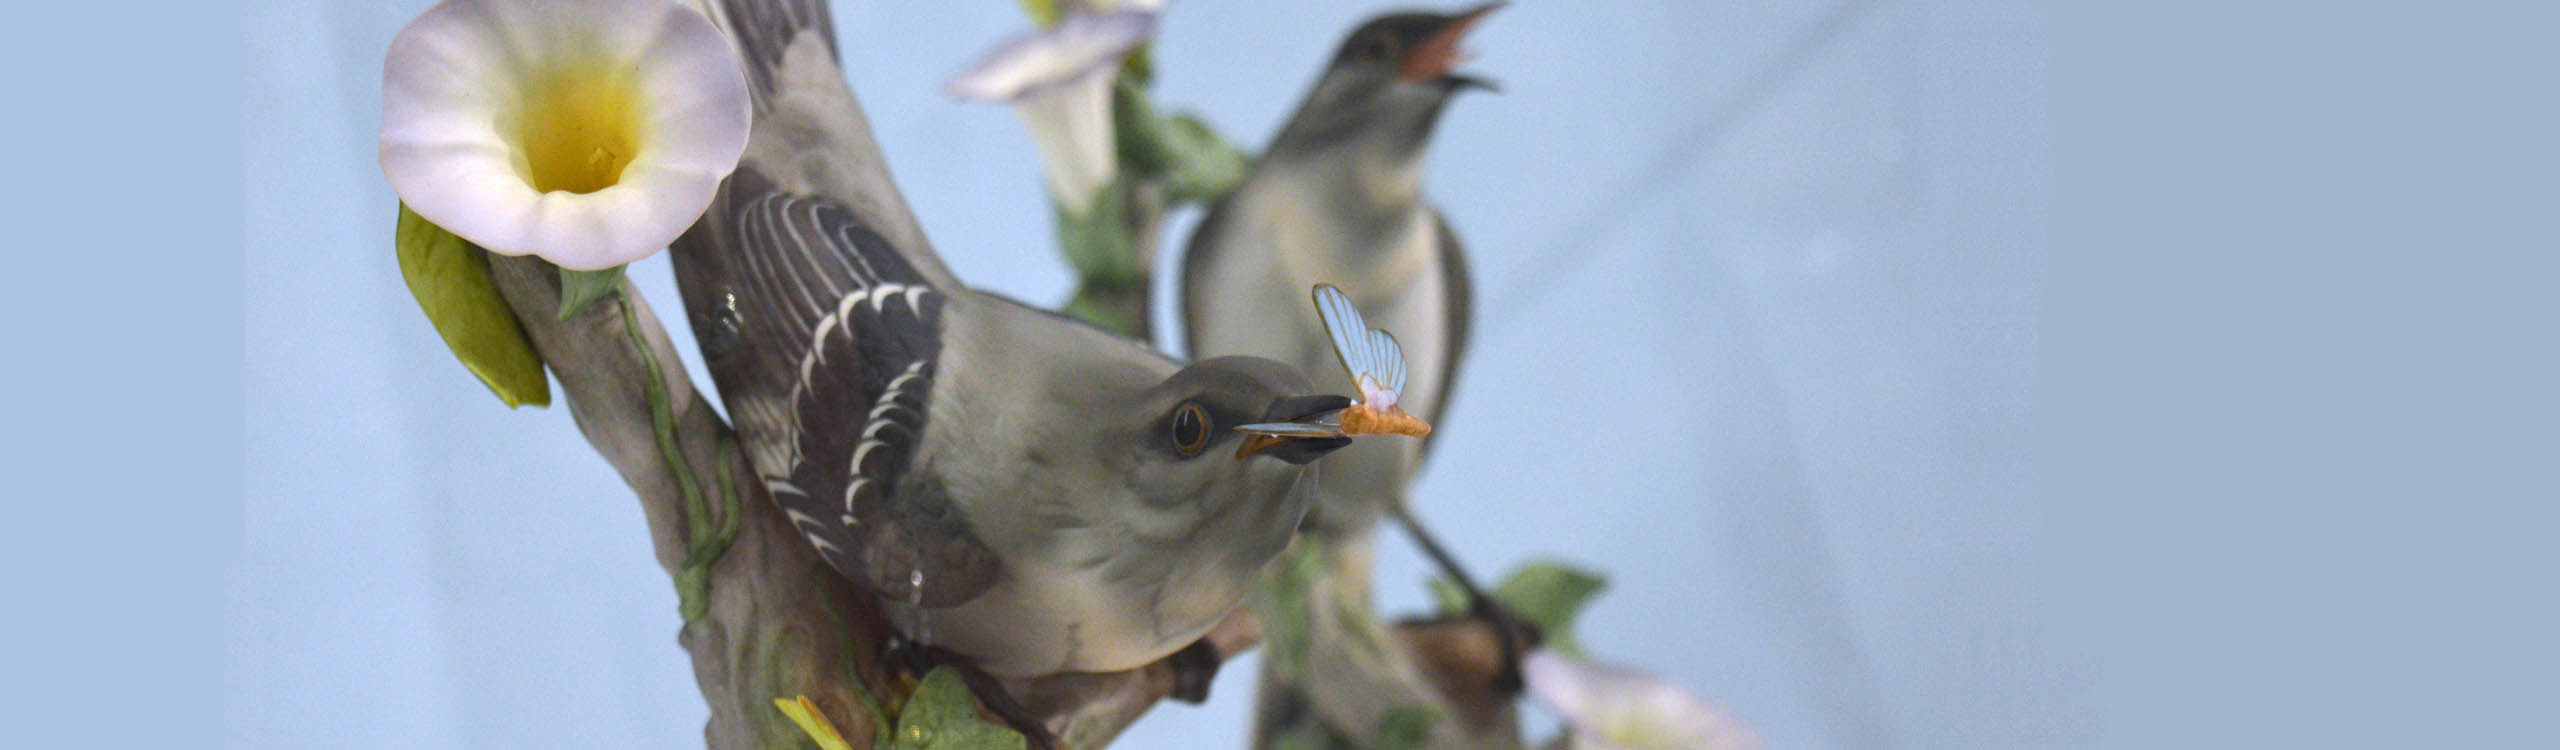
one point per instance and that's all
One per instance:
(1190, 429)
(1378, 48)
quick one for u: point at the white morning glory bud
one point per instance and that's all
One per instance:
(1059, 82)
(1614, 708)
(587, 132)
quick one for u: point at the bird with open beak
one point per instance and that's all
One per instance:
(1337, 198)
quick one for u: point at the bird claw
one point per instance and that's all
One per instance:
(1514, 636)
(1194, 667)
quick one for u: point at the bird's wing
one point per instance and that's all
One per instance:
(817, 303)
(809, 136)
(1457, 297)
(824, 341)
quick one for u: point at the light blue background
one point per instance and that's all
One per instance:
(1757, 337)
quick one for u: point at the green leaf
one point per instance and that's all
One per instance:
(578, 289)
(1133, 128)
(942, 715)
(1192, 161)
(1548, 594)
(1097, 304)
(1357, 626)
(1286, 598)
(1405, 728)
(806, 714)
(1202, 166)
(450, 278)
(1097, 243)
(1300, 737)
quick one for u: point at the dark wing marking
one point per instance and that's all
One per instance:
(824, 341)
(1458, 299)
(860, 411)
(764, 28)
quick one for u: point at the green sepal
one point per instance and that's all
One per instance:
(1548, 594)
(578, 289)
(943, 715)
(1140, 64)
(1043, 12)
(450, 278)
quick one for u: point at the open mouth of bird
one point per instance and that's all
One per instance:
(1439, 55)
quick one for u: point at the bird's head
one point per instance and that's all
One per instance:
(1188, 461)
(1198, 409)
(1386, 85)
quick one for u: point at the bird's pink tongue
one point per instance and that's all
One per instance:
(1440, 53)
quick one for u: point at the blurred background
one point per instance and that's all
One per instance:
(1758, 288)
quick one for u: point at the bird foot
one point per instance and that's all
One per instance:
(1194, 667)
(912, 661)
(1513, 635)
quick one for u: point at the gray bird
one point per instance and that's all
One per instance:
(1337, 198)
(1018, 487)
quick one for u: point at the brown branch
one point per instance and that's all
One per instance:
(778, 622)
(1461, 656)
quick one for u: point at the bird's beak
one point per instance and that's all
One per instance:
(1296, 450)
(1296, 429)
(1438, 53)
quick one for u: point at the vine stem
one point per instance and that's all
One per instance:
(662, 417)
(705, 536)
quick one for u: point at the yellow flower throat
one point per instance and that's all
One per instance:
(579, 126)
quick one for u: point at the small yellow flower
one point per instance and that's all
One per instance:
(587, 132)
